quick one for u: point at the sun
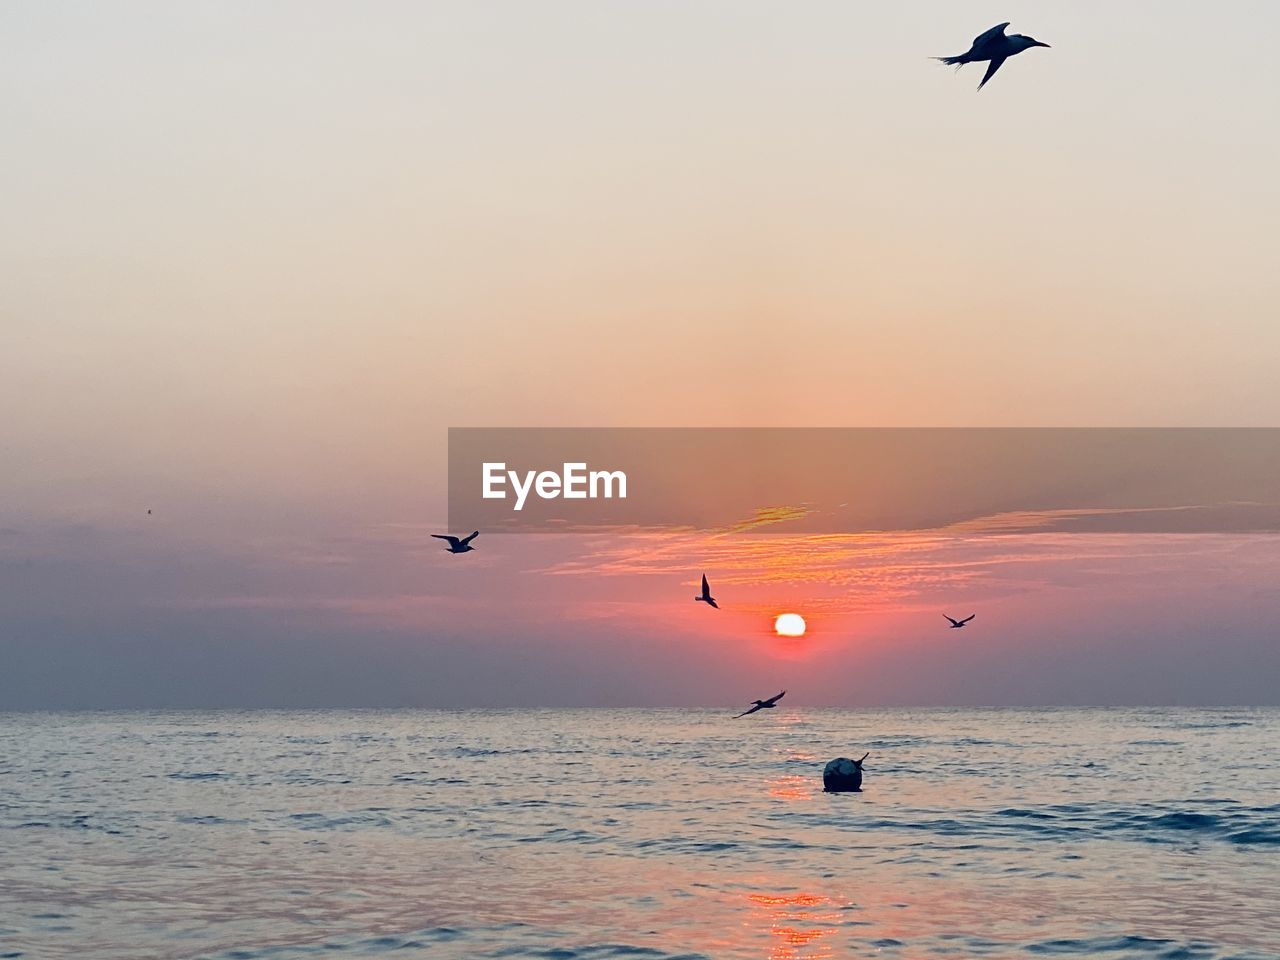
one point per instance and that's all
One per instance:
(789, 625)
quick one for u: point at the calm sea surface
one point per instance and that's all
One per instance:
(639, 834)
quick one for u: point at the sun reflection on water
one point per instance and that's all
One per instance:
(791, 919)
(791, 787)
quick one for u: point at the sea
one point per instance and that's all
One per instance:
(639, 834)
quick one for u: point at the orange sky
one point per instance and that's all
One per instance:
(258, 259)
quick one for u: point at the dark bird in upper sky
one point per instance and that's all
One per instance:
(956, 624)
(762, 705)
(456, 545)
(706, 594)
(994, 45)
(148, 513)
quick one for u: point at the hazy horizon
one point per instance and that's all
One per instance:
(713, 710)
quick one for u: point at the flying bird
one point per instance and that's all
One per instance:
(706, 594)
(456, 545)
(994, 45)
(763, 705)
(957, 624)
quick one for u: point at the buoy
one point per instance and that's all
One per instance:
(843, 775)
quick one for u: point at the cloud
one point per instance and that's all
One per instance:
(767, 516)
(1228, 517)
(852, 573)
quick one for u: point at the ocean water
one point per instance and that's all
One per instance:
(639, 834)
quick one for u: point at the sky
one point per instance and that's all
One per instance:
(256, 259)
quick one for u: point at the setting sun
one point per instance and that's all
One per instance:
(789, 625)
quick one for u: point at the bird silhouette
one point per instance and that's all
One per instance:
(957, 624)
(706, 594)
(996, 46)
(762, 704)
(457, 545)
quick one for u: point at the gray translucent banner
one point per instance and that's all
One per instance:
(836, 480)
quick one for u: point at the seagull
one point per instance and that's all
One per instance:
(456, 545)
(957, 624)
(763, 705)
(706, 594)
(994, 45)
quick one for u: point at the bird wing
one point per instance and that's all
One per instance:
(706, 590)
(952, 619)
(711, 601)
(968, 618)
(773, 700)
(993, 34)
(992, 67)
(752, 710)
(453, 541)
(465, 540)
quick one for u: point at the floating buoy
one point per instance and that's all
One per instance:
(843, 775)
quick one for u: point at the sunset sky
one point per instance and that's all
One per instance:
(258, 258)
